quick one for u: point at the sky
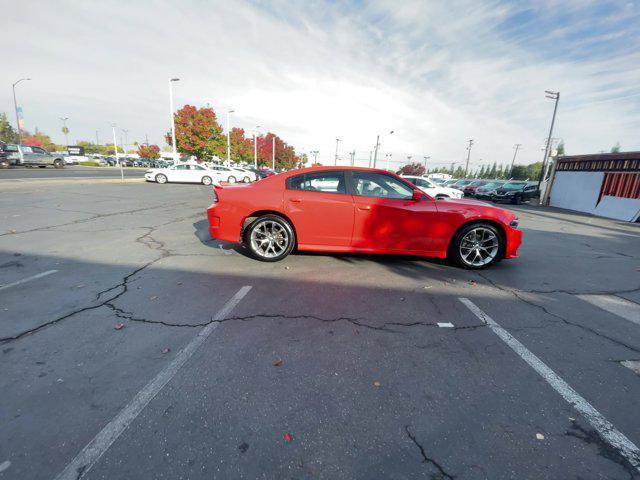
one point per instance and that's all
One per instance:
(435, 73)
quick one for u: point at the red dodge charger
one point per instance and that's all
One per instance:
(347, 209)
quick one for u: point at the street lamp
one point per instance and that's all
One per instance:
(173, 120)
(115, 147)
(335, 161)
(126, 141)
(15, 105)
(375, 154)
(466, 168)
(255, 146)
(229, 112)
(388, 156)
(425, 162)
(315, 155)
(65, 130)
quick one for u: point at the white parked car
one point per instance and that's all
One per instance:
(184, 173)
(233, 174)
(433, 190)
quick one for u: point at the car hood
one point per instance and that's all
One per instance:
(467, 201)
(502, 191)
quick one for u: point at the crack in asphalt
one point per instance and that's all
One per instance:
(560, 318)
(442, 474)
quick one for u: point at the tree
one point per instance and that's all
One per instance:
(616, 148)
(493, 171)
(198, 133)
(560, 149)
(39, 139)
(7, 133)
(241, 147)
(152, 152)
(416, 169)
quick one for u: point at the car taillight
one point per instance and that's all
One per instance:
(514, 223)
(215, 196)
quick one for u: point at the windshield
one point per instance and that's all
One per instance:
(513, 186)
(493, 185)
(463, 183)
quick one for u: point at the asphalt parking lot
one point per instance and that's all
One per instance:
(132, 345)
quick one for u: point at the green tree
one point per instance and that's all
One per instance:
(7, 133)
(482, 172)
(616, 148)
(560, 148)
(493, 171)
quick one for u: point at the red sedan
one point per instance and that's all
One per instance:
(347, 209)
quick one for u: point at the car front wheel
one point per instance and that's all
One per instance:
(269, 238)
(58, 163)
(160, 178)
(246, 180)
(476, 246)
(206, 181)
(232, 179)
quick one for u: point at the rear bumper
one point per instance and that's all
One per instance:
(223, 225)
(514, 240)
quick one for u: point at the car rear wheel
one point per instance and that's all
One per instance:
(269, 238)
(160, 178)
(207, 181)
(232, 179)
(476, 246)
(58, 163)
(246, 180)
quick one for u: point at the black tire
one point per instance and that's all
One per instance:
(246, 180)
(42, 166)
(284, 226)
(161, 178)
(456, 256)
(207, 180)
(232, 179)
(57, 163)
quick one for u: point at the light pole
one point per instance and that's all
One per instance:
(229, 112)
(15, 104)
(370, 157)
(335, 161)
(375, 154)
(255, 146)
(425, 162)
(466, 168)
(553, 96)
(388, 156)
(516, 147)
(353, 157)
(65, 130)
(173, 120)
(115, 147)
(273, 152)
(315, 155)
(97, 138)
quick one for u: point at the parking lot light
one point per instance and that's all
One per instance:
(229, 112)
(115, 147)
(173, 120)
(255, 146)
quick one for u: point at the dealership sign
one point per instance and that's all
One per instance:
(76, 151)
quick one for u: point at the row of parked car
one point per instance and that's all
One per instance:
(205, 173)
(12, 154)
(512, 191)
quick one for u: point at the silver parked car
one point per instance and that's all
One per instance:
(33, 156)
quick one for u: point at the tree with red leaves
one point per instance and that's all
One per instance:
(412, 169)
(152, 152)
(198, 133)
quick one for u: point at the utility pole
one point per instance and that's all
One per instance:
(375, 153)
(126, 141)
(255, 146)
(425, 162)
(370, 157)
(466, 168)
(553, 96)
(335, 161)
(353, 156)
(146, 139)
(516, 147)
(315, 155)
(388, 156)
(97, 138)
(115, 147)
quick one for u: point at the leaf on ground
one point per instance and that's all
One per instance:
(288, 437)
(119, 326)
(278, 363)
(539, 436)
(376, 383)
(153, 297)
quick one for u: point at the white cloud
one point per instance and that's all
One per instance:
(436, 73)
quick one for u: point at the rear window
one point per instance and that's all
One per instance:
(327, 182)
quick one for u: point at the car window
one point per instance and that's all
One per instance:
(530, 187)
(182, 167)
(11, 148)
(27, 149)
(513, 186)
(328, 182)
(198, 167)
(419, 182)
(38, 150)
(379, 185)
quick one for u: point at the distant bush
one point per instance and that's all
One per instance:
(89, 164)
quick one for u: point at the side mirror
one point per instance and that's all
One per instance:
(417, 195)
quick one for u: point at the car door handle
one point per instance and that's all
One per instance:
(364, 207)
(295, 200)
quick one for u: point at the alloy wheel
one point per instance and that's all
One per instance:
(269, 239)
(479, 247)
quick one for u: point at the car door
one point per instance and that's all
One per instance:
(28, 157)
(179, 173)
(320, 208)
(530, 191)
(387, 218)
(41, 156)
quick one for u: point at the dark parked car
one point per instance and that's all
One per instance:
(486, 191)
(470, 189)
(516, 192)
(4, 156)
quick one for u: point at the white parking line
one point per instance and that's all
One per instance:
(90, 454)
(445, 324)
(607, 431)
(28, 279)
(616, 305)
